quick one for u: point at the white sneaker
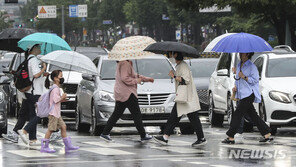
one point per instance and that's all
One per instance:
(239, 138)
(35, 143)
(23, 136)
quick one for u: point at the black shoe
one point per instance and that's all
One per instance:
(266, 140)
(199, 142)
(227, 141)
(160, 140)
(107, 138)
(146, 138)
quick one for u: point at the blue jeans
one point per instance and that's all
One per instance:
(31, 127)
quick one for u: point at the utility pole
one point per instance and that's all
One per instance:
(63, 23)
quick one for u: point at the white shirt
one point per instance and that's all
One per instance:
(34, 67)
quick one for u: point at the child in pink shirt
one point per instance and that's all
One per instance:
(55, 121)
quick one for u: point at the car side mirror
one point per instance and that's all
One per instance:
(223, 72)
(88, 77)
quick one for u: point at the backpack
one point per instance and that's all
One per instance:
(43, 107)
(21, 77)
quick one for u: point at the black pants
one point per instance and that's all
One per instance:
(245, 106)
(31, 127)
(133, 106)
(24, 115)
(174, 120)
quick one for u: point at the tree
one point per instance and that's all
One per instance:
(274, 11)
(3, 21)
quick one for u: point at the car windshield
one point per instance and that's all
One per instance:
(155, 68)
(203, 68)
(283, 67)
(3, 65)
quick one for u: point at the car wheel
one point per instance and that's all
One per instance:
(229, 109)
(12, 111)
(262, 111)
(95, 130)
(273, 130)
(80, 127)
(214, 118)
(3, 131)
(186, 129)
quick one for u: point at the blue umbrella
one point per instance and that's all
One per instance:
(242, 43)
(49, 42)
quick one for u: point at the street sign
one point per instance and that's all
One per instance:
(73, 10)
(107, 21)
(178, 34)
(77, 10)
(47, 12)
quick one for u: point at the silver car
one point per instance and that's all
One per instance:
(95, 99)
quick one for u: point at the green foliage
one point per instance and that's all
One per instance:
(3, 23)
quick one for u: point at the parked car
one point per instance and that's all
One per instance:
(202, 70)
(277, 85)
(14, 100)
(3, 109)
(9, 55)
(95, 98)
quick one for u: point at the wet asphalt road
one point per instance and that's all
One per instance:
(127, 151)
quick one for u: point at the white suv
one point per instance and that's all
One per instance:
(220, 87)
(277, 85)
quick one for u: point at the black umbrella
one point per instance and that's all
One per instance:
(10, 36)
(169, 46)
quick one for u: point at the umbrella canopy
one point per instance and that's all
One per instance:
(49, 42)
(70, 60)
(169, 46)
(242, 43)
(212, 44)
(130, 48)
(10, 36)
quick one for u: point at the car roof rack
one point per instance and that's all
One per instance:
(282, 48)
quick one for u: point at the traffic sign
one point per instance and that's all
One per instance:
(178, 34)
(47, 12)
(77, 10)
(107, 21)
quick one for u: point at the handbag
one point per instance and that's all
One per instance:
(181, 94)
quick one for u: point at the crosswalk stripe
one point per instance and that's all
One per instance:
(106, 144)
(31, 153)
(106, 151)
(198, 163)
(220, 166)
(182, 150)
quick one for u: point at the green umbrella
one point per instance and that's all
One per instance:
(49, 42)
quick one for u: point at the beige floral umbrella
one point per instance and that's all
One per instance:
(131, 48)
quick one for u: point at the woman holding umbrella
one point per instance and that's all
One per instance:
(247, 82)
(183, 76)
(126, 80)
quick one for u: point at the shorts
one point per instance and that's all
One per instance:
(55, 123)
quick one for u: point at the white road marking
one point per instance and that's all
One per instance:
(177, 160)
(182, 150)
(31, 153)
(106, 144)
(48, 159)
(198, 163)
(220, 166)
(106, 151)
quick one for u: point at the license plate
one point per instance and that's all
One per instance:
(152, 110)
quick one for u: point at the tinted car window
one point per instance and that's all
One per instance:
(225, 61)
(283, 67)
(259, 64)
(203, 68)
(155, 68)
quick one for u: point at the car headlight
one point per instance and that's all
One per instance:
(279, 96)
(106, 96)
